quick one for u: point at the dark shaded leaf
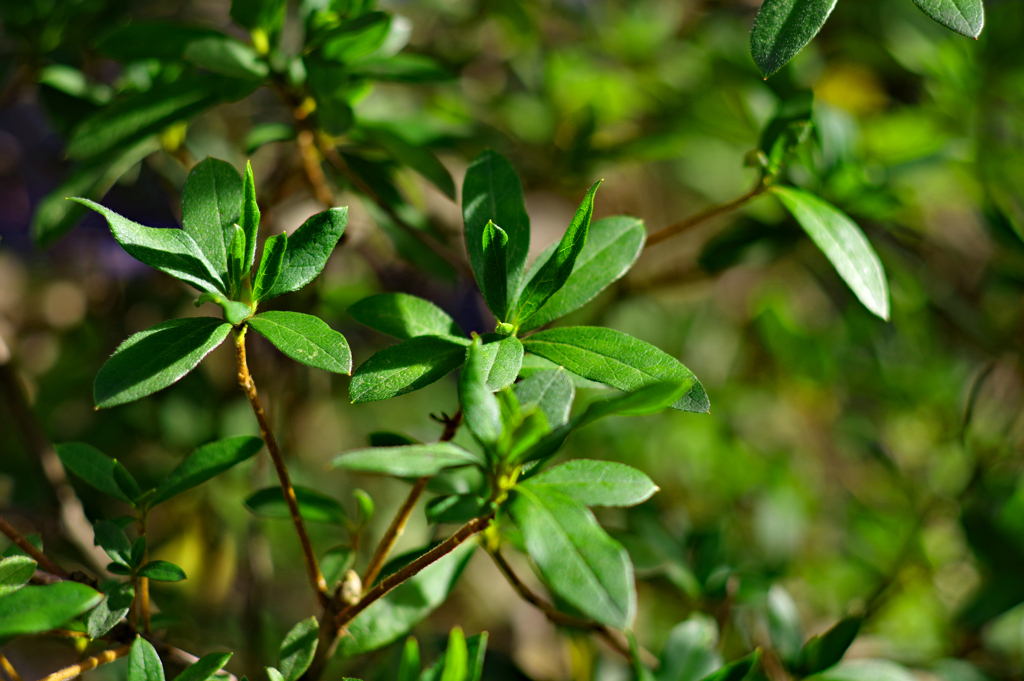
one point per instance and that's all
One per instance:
(480, 409)
(408, 366)
(495, 284)
(825, 650)
(228, 57)
(313, 506)
(205, 463)
(111, 610)
(92, 466)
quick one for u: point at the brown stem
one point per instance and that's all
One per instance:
(9, 669)
(316, 578)
(705, 215)
(144, 581)
(34, 553)
(88, 663)
(558, 617)
(314, 172)
(43, 577)
(394, 531)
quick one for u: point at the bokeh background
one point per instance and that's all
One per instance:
(863, 466)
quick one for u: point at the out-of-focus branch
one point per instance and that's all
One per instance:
(709, 213)
(9, 670)
(88, 663)
(34, 553)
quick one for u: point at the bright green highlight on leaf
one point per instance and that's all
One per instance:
(410, 461)
(162, 571)
(480, 410)
(35, 609)
(596, 483)
(783, 28)
(210, 206)
(143, 662)
(966, 17)
(404, 316)
(551, 392)
(306, 339)
(15, 571)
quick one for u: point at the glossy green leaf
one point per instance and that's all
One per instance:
(783, 28)
(308, 249)
(416, 156)
(169, 250)
(615, 359)
(865, 670)
(112, 539)
(400, 610)
(306, 339)
(612, 246)
(400, 68)
(228, 57)
(736, 671)
(825, 650)
(492, 191)
(266, 133)
(456, 657)
(784, 625)
(15, 571)
(267, 15)
(495, 283)
(271, 263)
(205, 463)
(236, 258)
(148, 113)
(480, 410)
(410, 461)
(274, 675)
(126, 481)
(502, 356)
(408, 366)
(162, 571)
(34, 609)
(313, 506)
(204, 668)
(476, 652)
(155, 358)
(844, 244)
(579, 561)
(365, 505)
(143, 662)
(138, 553)
(456, 508)
(691, 651)
(234, 312)
(551, 391)
(409, 667)
(250, 223)
(555, 271)
(596, 483)
(648, 399)
(356, 38)
(162, 40)
(298, 649)
(404, 316)
(111, 610)
(966, 17)
(92, 466)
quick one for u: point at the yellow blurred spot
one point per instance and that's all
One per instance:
(173, 137)
(260, 41)
(851, 87)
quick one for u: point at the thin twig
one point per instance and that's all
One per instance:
(43, 577)
(314, 173)
(144, 581)
(34, 553)
(558, 617)
(316, 578)
(9, 669)
(705, 215)
(88, 663)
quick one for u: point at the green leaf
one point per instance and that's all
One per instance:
(298, 649)
(691, 651)
(113, 540)
(502, 356)
(162, 571)
(306, 339)
(579, 561)
(126, 482)
(612, 246)
(138, 553)
(210, 202)
(168, 250)
(365, 506)
(270, 266)
(356, 38)
(650, 399)
(408, 366)
(274, 675)
(966, 17)
(416, 156)
(335, 562)
(456, 657)
(404, 316)
(409, 461)
(228, 57)
(141, 40)
(92, 466)
(480, 408)
(615, 359)
(15, 571)
(476, 651)
(788, 129)
(407, 605)
(409, 667)
(111, 610)
(119, 569)
(455, 508)
(313, 506)
(234, 312)
(596, 483)
(551, 391)
(205, 667)
(143, 662)
(844, 244)
(267, 15)
(14, 550)
(236, 256)
(492, 191)
(308, 249)
(736, 671)
(401, 68)
(250, 218)
(495, 284)
(553, 274)
(865, 670)
(205, 463)
(265, 133)
(34, 609)
(825, 650)
(783, 28)
(155, 358)
(132, 119)
(784, 625)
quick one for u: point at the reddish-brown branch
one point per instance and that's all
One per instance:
(33, 553)
(709, 213)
